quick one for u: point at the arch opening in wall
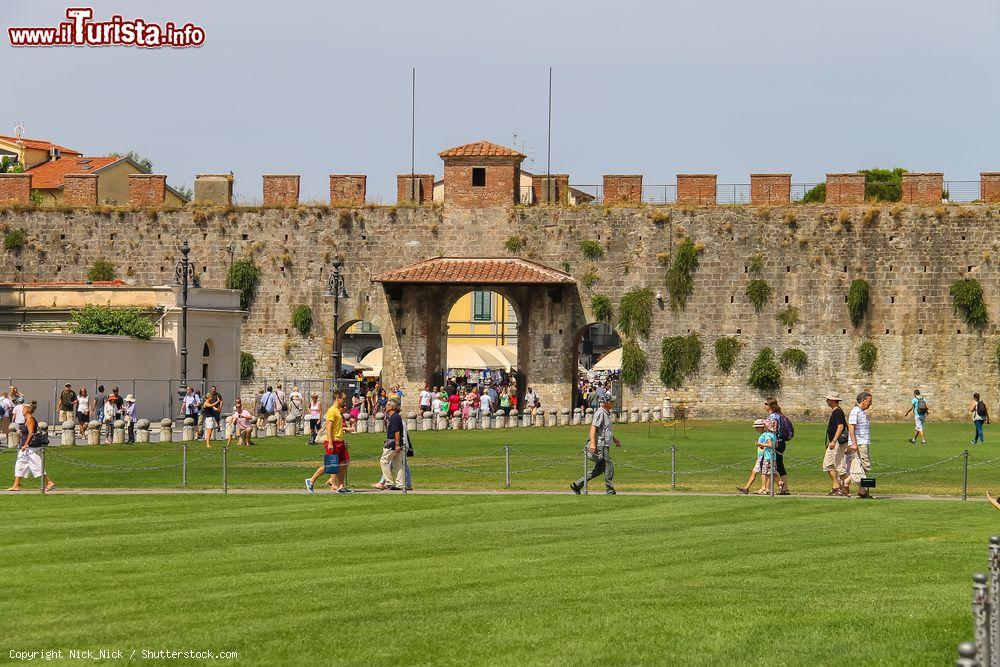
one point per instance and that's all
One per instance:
(207, 361)
(597, 363)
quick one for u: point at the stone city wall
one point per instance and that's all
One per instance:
(910, 254)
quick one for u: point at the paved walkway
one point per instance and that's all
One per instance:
(167, 491)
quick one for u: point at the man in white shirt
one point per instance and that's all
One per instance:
(485, 404)
(6, 412)
(857, 461)
(425, 400)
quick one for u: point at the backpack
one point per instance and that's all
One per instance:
(981, 409)
(785, 429)
(922, 406)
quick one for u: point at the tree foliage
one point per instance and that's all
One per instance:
(101, 271)
(883, 184)
(112, 321)
(144, 163)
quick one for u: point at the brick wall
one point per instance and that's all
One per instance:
(426, 188)
(502, 186)
(770, 188)
(989, 186)
(213, 189)
(623, 188)
(845, 188)
(80, 190)
(538, 184)
(348, 189)
(922, 187)
(15, 189)
(696, 188)
(147, 190)
(281, 190)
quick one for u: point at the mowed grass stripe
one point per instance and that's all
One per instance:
(539, 580)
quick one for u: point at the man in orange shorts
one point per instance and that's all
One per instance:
(335, 444)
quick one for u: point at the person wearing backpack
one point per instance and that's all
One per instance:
(785, 432)
(979, 415)
(918, 406)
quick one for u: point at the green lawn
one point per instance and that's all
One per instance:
(453, 579)
(711, 456)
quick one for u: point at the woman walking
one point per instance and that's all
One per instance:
(783, 433)
(29, 456)
(979, 415)
(82, 410)
(313, 416)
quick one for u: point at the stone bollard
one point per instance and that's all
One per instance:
(455, 422)
(526, 419)
(411, 421)
(645, 415)
(590, 416)
(142, 430)
(68, 435)
(166, 430)
(188, 433)
(254, 431)
(292, 426)
(94, 433)
(362, 426)
(633, 416)
(577, 417)
(485, 419)
(13, 436)
(552, 419)
(118, 435)
(564, 417)
(539, 418)
(470, 423)
(441, 422)
(379, 425)
(271, 430)
(427, 422)
(499, 419)
(655, 414)
(512, 419)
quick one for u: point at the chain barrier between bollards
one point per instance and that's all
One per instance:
(184, 466)
(965, 474)
(506, 464)
(42, 478)
(225, 469)
(673, 467)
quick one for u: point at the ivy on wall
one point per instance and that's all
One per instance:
(601, 306)
(788, 316)
(680, 283)
(302, 319)
(967, 297)
(244, 275)
(857, 300)
(764, 372)
(759, 293)
(592, 249)
(867, 357)
(727, 349)
(680, 357)
(633, 363)
(795, 358)
(635, 313)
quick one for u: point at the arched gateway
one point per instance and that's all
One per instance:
(546, 300)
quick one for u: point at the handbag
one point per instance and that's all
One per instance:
(39, 439)
(843, 439)
(331, 464)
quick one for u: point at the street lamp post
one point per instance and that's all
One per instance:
(335, 288)
(183, 275)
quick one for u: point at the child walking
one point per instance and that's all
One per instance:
(766, 440)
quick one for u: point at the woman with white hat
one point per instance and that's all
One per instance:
(836, 443)
(128, 414)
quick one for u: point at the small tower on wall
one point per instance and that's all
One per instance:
(481, 175)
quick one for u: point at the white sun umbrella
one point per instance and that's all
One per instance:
(612, 361)
(478, 357)
(372, 363)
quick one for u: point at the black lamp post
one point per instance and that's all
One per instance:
(335, 288)
(183, 276)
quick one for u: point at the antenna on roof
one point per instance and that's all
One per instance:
(548, 152)
(18, 128)
(413, 118)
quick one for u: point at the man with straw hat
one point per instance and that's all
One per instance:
(836, 443)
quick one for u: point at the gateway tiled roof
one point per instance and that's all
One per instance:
(39, 144)
(477, 271)
(52, 174)
(480, 149)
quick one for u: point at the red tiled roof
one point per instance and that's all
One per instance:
(52, 174)
(117, 282)
(477, 271)
(480, 149)
(39, 144)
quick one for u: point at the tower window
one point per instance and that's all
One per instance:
(479, 177)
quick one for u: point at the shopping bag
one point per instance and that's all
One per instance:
(331, 464)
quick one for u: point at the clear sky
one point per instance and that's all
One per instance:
(640, 87)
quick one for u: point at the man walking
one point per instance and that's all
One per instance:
(598, 448)
(394, 451)
(836, 443)
(918, 406)
(65, 403)
(335, 444)
(858, 460)
(425, 400)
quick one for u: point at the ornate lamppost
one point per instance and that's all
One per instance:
(335, 288)
(183, 276)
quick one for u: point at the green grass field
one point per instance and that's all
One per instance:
(459, 579)
(711, 456)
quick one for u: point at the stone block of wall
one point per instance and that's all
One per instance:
(989, 186)
(845, 188)
(770, 188)
(922, 187)
(544, 192)
(281, 189)
(147, 190)
(15, 189)
(623, 188)
(696, 188)
(501, 186)
(80, 190)
(213, 189)
(348, 189)
(405, 192)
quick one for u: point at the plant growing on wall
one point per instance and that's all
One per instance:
(592, 249)
(244, 276)
(302, 319)
(101, 271)
(788, 316)
(602, 308)
(967, 297)
(36, 198)
(764, 372)
(247, 363)
(727, 349)
(857, 300)
(15, 240)
(515, 244)
(795, 358)
(680, 283)
(996, 357)
(759, 293)
(111, 321)
(755, 264)
(867, 357)
(633, 363)
(680, 357)
(589, 279)
(635, 313)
